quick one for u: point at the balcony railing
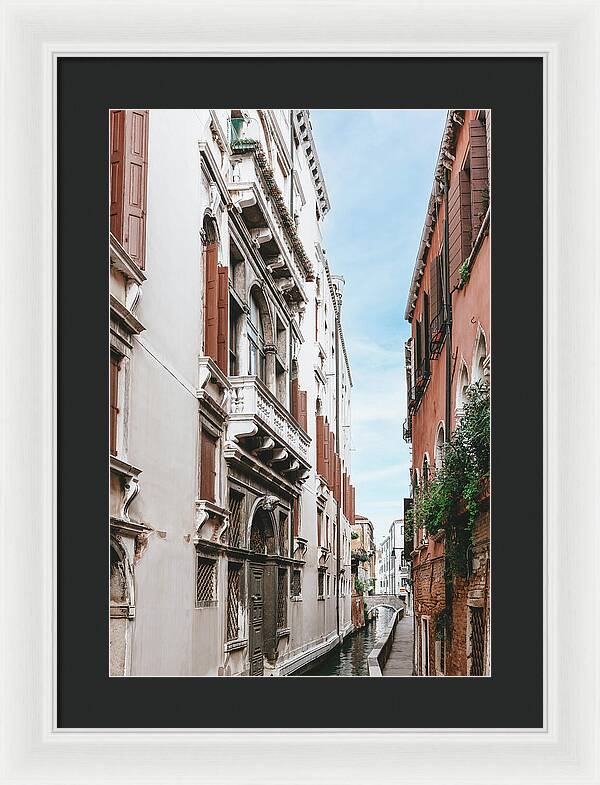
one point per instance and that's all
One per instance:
(266, 429)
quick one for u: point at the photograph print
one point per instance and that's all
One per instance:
(299, 387)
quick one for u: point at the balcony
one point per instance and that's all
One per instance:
(265, 430)
(407, 429)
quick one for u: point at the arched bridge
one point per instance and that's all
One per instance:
(374, 600)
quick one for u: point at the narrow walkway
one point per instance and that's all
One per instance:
(400, 661)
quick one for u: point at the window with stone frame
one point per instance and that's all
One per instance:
(206, 581)
(208, 471)
(236, 507)
(233, 600)
(296, 583)
(282, 597)
(284, 538)
(115, 362)
(321, 584)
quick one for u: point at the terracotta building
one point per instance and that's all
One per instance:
(449, 350)
(231, 498)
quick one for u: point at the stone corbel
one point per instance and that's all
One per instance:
(275, 263)
(132, 295)
(278, 456)
(293, 467)
(323, 556)
(131, 488)
(244, 197)
(300, 548)
(261, 235)
(240, 429)
(267, 443)
(268, 503)
(211, 521)
(285, 284)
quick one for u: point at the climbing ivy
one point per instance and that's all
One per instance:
(451, 499)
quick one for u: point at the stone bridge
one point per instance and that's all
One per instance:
(374, 600)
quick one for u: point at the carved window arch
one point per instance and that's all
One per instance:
(440, 441)
(479, 366)
(462, 389)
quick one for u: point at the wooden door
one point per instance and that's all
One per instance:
(256, 595)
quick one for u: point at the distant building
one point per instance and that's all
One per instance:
(363, 551)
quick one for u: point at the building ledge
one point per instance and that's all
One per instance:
(120, 259)
(235, 645)
(123, 316)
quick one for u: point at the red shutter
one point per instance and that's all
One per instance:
(222, 318)
(459, 218)
(325, 448)
(207, 466)
(479, 174)
(117, 156)
(135, 184)
(319, 444)
(303, 413)
(336, 486)
(345, 499)
(210, 301)
(435, 291)
(295, 402)
(331, 477)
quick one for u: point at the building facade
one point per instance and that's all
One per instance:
(363, 552)
(449, 350)
(393, 568)
(230, 493)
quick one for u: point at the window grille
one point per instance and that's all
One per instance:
(206, 584)
(283, 535)
(282, 598)
(236, 501)
(296, 583)
(477, 641)
(233, 601)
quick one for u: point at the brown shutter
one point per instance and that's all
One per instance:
(337, 488)
(295, 402)
(435, 291)
(222, 318)
(426, 346)
(345, 488)
(303, 413)
(418, 346)
(319, 444)
(207, 466)
(296, 516)
(353, 512)
(331, 476)
(210, 301)
(135, 184)
(114, 402)
(459, 219)
(325, 448)
(479, 174)
(117, 160)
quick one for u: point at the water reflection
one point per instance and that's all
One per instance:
(350, 659)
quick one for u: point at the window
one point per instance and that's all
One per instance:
(321, 584)
(296, 587)
(461, 390)
(114, 401)
(282, 594)
(256, 341)
(284, 527)
(208, 444)
(439, 447)
(328, 585)
(206, 582)
(233, 601)
(236, 501)
(425, 647)
(479, 369)
(319, 527)
(476, 642)
(234, 314)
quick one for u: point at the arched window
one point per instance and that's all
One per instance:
(256, 340)
(479, 369)
(440, 441)
(425, 471)
(461, 390)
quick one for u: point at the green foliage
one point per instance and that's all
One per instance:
(457, 484)
(465, 273)
(354, 535)
(360, 586)
(360, 554)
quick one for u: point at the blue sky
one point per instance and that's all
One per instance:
(378, 167)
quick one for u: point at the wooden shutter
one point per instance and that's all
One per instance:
(295, 402)
(479, 174)
(296, 516)
(207, 466)
(319, 444)
(353, 512)
(222, 317)
(426, 342)
(325, 448)
(210, 301)
(116, 163)
(331, 477)
(345, 489)
(435, 292)
(135, 179)
(418, 346)
(459, 219)
(338, 472)
(114, 402)
(303, 413)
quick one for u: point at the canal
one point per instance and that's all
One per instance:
(350, 659)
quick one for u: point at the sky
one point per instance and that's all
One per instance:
(378, 167)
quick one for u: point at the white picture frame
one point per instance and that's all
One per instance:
(566, 750)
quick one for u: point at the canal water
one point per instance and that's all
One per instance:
(350, 659)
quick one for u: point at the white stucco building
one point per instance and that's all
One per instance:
(393, 570)
(230, 390)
